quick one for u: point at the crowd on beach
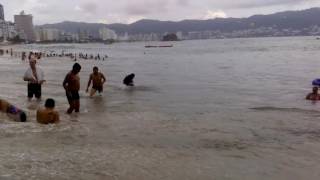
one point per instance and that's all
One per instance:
(35, 77)
(73, 56)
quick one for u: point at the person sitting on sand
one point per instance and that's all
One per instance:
(98, 79)
(128, 80)
(71, 84)
(48, 115)
(13, 112)
(314, 96)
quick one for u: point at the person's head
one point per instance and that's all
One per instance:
(315, 90)
(132, 75)
(49, 103)
(23, 117)
(95, 70)
(76, 68)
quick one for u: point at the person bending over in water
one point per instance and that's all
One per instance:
(13, 112)
(128, 80)
(48, 115)
(98, 80)
(314, 96)
(71, 84)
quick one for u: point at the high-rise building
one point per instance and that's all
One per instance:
(1, 12)
(24, 25)
(107, 34)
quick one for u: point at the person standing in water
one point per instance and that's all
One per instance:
(35, 77)
(98, 79)
(71, 84)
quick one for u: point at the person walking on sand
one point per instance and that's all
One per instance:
(71, 84)
(35, 77)
(98, 79)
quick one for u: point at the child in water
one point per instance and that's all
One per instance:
(48, 115)
(13, 112)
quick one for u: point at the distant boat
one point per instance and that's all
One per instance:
(318, 38)
(162, 46)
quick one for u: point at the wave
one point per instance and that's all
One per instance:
(297, 110)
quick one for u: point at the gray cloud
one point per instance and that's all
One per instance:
(143, 7)
(89, 7)
(258, 3)
(124, 11)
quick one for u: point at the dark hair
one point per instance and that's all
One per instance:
(76, 66)
(49, 103)
(23, 117)
(95, 68)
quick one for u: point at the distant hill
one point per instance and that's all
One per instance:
(282, 20)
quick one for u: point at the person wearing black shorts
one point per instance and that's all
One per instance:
(71, 84)
(98, 79)
(34, 89)
(35, 77)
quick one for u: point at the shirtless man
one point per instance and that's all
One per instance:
(48, 115)
(13, 112)
(98, 80)
(71, 84)
(314, 96)
(35, 77)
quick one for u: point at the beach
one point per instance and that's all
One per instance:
(228, 109)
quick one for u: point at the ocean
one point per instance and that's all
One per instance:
(228, 109)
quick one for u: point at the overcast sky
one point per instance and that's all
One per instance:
(128, 11)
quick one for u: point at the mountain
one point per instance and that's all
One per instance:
(282, 20)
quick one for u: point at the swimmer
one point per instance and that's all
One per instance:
(98, 79)
(48, 115)
(13, 112)
(314, 96)
(128, 80)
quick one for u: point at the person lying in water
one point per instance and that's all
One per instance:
(13, 112)
(314, 96)
(48, 115)
(128, 80)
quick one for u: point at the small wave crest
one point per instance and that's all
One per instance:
(281, 109)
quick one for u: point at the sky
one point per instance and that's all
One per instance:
(129, 11)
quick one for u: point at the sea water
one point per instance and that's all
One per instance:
(210, 109)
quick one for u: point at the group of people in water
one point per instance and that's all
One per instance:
(73, 56)
(34, 75)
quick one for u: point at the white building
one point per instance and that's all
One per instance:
(107, 34)
(7, 30)
(46, 34)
